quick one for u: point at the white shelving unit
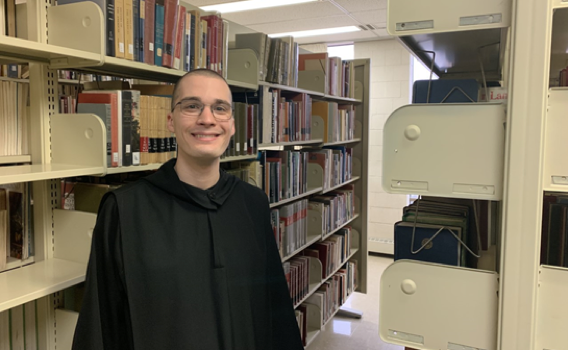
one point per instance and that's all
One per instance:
(75, 145)
(523, 301)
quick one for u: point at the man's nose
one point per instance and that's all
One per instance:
(206, 116)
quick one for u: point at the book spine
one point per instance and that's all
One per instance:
(128, 35)
(119, 28)
(149, 29)
(110, 29)
(170, 26)
(192, 43)
(135, 128)
(126, 128)
(141, 31)
(187, 42)
(180, 30)
(159, 38)
(136, 30)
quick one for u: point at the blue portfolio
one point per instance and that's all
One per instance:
(443, 249)
(439, 89)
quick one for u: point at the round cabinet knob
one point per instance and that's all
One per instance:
(412, 132)
(408, 287)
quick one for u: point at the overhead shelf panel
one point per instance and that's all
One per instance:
(462, 36)
(447, 150)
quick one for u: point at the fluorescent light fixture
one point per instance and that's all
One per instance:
(250, 5)
(314, 32)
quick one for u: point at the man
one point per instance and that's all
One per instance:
(185, 258)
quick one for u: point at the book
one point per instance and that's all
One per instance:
(171, 8)
(149, 30)
(120, 48)
(159, 33)
(103, 111)
(128, 29)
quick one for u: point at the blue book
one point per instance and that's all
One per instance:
(443, 249)
(159, 37)
(136, 29)
(141, 31)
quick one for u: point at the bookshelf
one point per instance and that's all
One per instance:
(75, 145)
(523, 299)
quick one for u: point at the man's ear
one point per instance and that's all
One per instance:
(171, 122)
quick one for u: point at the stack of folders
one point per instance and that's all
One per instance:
(437, 232)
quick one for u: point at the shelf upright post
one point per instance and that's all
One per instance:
(528, 73)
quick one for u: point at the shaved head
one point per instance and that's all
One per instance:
(202, 72)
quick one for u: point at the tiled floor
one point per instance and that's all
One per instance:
(363, 334)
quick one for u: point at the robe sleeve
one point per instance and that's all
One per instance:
(284, 327)
(103, 320)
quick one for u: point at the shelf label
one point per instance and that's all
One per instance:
(409, 185)
(408, 337)
(477, 20)
(452, 346)
(403, 26)
(476, 189)
(560, 180)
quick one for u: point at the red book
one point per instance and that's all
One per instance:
(170, 26)
(180, 31)
(149, 29)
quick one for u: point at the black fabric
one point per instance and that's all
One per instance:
(176, 267)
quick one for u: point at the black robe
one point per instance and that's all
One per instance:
(176, 267)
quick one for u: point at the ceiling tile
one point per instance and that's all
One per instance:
(284, 13)
(304, 24)
(344, 37)
(200, 3)
(362, 5)
(373, 16)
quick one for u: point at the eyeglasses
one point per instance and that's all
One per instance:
(194, 108)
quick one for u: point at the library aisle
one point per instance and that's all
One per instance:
(343, 333)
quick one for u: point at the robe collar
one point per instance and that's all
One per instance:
(167, 179)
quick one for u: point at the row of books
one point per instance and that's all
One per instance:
(335, 208)
(334, 291)
(164, 33)
(19, 327)
(14, 118)
(339, 74)
(290, 226)
(285, 174)
(245, 140)
(16, 223)
(277, 57)
(338, 120)
(301, 314)
(297, 272)
(435, 231)
(332, 252)
(336, 162)
(554, 240)
(135, 124)
(283, 116)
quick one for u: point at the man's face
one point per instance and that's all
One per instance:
(201, 137)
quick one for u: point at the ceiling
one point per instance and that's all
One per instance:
(315, 15)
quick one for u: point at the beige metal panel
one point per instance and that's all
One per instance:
(65, 323)
(80, 26)
(445, 150)
(434, 306)
(409, 17)
(552, 311)
(73, 233)
(555, 176)
(15, 159)
(243, 67)
(522, 205)
(38, 280)
(25, 50)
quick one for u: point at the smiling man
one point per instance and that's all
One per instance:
(185, 258)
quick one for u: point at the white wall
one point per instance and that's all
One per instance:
(390, 89)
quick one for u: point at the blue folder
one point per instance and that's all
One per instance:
(440, 88)
(444, 248)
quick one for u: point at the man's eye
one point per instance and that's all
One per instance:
(221, 108)
(192, 106)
